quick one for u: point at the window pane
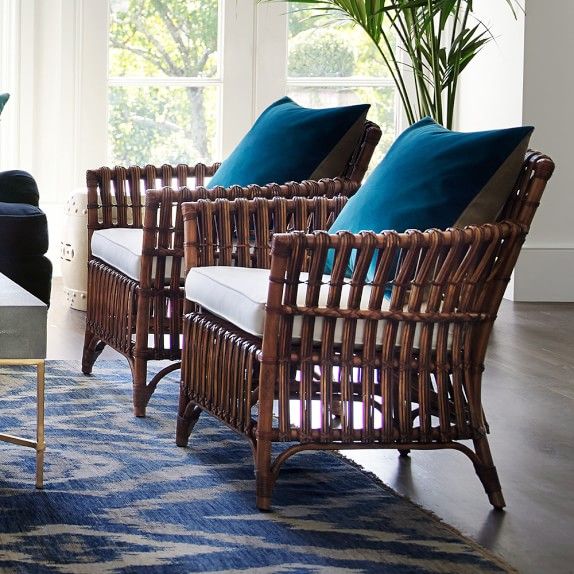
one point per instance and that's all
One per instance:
(164, 38)
(332, 62)
(319, 48)
(382, 110)
(162, 124)
(164, 81)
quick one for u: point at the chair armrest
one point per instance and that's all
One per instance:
(239, 231)
(457, 276)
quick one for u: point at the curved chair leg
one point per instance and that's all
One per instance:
(487, 474)
(188, 415)
(92, 350)
(142, 390)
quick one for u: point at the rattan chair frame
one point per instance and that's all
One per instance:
(414, 379)
(142, 319)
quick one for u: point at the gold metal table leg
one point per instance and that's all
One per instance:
(40, 439)
(39, 444)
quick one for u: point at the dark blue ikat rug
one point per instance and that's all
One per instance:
(121, 497)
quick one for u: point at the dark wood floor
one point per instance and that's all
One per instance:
(529, 401)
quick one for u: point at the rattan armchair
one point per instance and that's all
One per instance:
(338, 362)
(139, 313)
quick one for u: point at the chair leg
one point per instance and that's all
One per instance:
(93, 347)
(185, 426)
(264, 478)
(187, 416)
(140, 394)
(487, 473)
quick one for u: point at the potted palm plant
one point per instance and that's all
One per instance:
(438, 39)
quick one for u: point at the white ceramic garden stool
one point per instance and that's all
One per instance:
(74, 250)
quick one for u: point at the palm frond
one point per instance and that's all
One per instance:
(435, 36)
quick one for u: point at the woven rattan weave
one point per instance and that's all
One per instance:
(141, 319)
(413, 378)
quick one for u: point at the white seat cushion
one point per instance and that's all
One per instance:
(121, 248)
(239, 295)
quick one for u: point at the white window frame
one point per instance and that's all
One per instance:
(236, 73)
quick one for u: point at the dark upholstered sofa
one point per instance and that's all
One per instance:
(24, 234)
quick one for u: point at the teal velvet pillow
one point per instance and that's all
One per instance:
(292, 143)
(437, 178)
(3, 99)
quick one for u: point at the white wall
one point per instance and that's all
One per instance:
(68, 105)
(548, 90)
(490, 94)
(524, 78)
(55, 103)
